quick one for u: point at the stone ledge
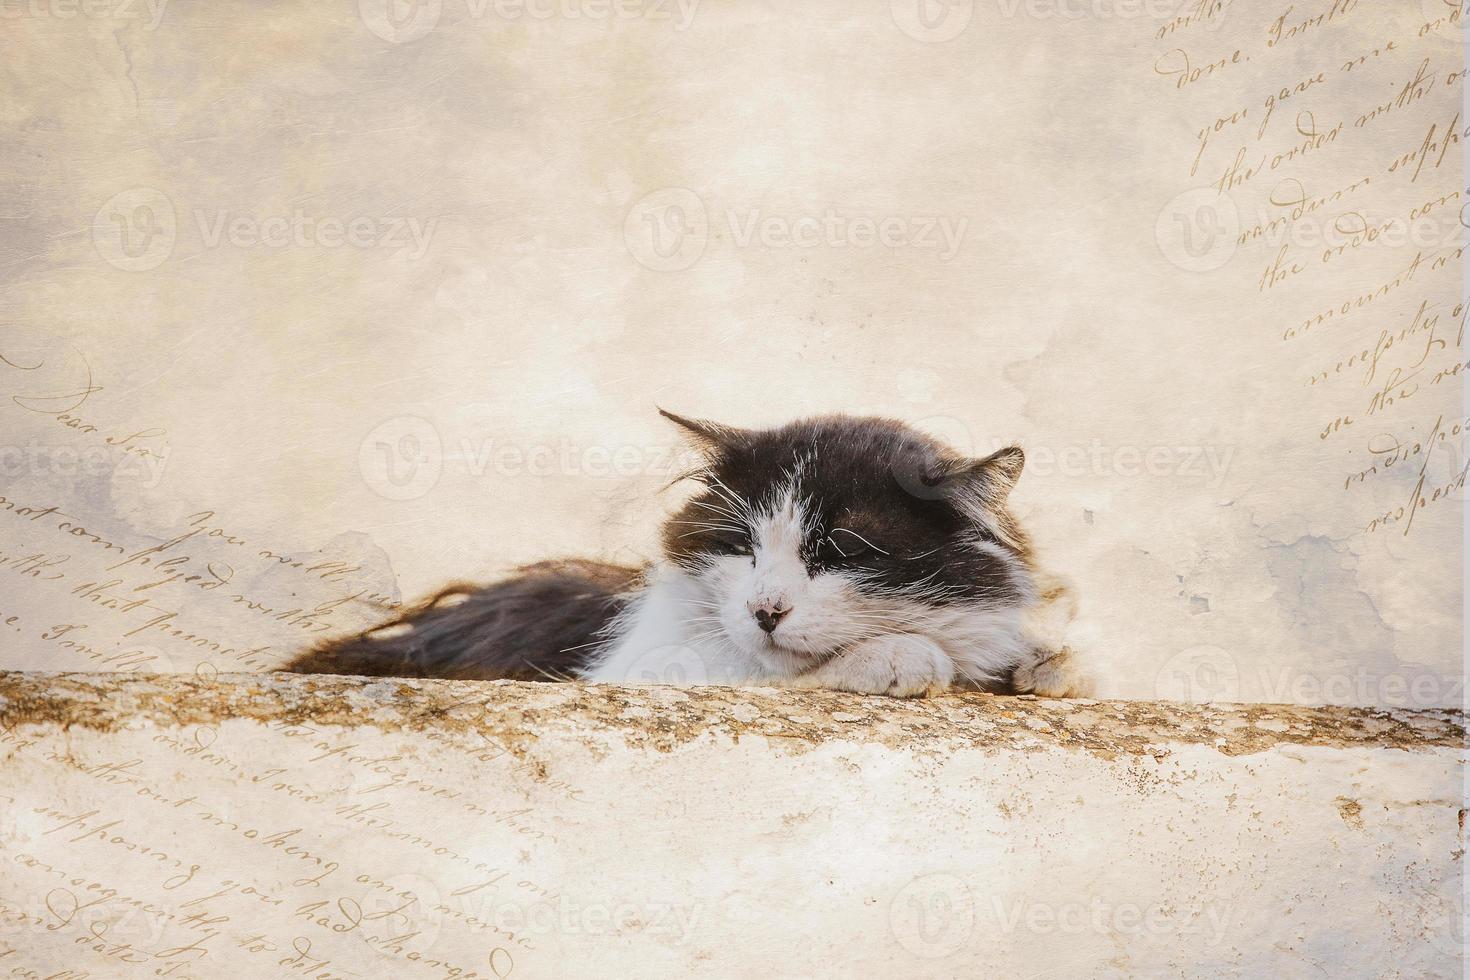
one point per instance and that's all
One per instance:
(292, 825)
(661, 717)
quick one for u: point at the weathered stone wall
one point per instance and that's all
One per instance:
(268, 826)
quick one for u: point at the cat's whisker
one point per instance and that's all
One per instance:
(703, 530)
(725, 511)
(734, 499)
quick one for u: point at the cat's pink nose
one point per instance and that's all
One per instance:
(768, 614)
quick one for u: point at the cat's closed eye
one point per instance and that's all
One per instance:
(729, 543)
(843, 546)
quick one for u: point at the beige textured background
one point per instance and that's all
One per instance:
(369, 302)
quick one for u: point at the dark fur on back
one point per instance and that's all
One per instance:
(539, 624)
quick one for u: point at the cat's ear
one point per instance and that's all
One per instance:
(711, 438)
(992, 478)
(980, 487)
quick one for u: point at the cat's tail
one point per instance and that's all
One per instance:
(540, 624)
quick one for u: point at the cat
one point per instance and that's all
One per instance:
(856, 554)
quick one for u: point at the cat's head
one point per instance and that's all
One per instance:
(818, 534)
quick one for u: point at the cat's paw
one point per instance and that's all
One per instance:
(1051, 675)
(902, 665)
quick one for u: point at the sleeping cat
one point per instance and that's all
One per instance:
(848, 553)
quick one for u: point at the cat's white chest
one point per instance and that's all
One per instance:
(667, 637)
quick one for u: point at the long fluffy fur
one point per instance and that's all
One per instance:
(540, 624)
